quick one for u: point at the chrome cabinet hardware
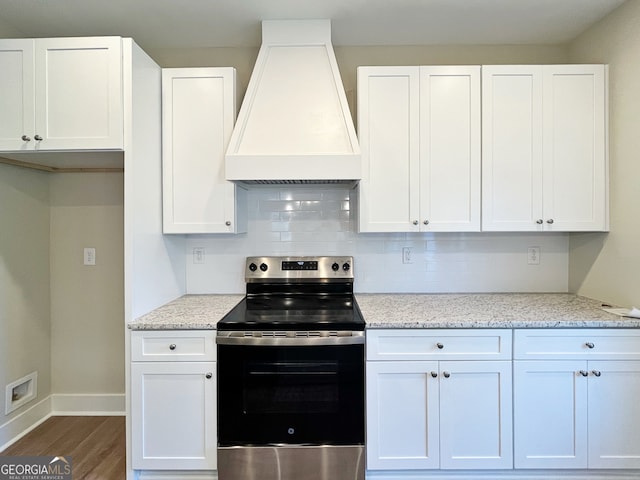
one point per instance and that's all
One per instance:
(434, 374)
(584, 373)
(172, 346)
(439, 345)
(227, 223)
(415, 222)
(550, 221)
(37, 137)
(589, 345)
(539, 221)
(446, 374)
(426, 222)
(25, 138)
(209, 375)
(596, 373)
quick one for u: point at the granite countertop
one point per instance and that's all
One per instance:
(490, 310)
(190, 312)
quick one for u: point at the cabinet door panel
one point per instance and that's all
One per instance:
(450, 148)
(574, 147)
(388, 124)
(475, 415)
(79, 102)
(614, 414)
(511, 147)
(16, 94)
(173, 415)
(550, 414)
(402, 415)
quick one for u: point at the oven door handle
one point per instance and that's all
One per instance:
(255, 339)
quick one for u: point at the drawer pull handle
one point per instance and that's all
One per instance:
(209, 375)
(584, 373)
(440, 346)
(434, 374)
(596, 373)
(446, 374)
(589, 345)
(172, 346)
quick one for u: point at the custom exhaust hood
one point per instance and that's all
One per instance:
(294, 125)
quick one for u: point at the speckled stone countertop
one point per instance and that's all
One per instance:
(491, 310)
(190, 312)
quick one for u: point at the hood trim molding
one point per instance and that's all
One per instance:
(294, 123)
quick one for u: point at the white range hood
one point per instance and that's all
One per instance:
(294, 125)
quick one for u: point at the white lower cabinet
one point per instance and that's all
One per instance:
(173, 400)
(576, 399)
(425, 413)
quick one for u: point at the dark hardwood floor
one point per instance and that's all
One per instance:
(96, 445)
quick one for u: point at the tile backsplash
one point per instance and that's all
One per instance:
(319, 220)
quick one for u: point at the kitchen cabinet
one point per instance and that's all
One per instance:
(544, 148)
(419, 130)
(61, 94)
(173, 400)
(576, 399)
(199, 110)
(438, 399)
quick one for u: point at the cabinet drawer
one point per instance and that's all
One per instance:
(181, 346)
(588, 343)
(439, 344)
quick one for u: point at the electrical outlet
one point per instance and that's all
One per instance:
(407, 255)
(533, 255)
(198, 255)
(89, 256)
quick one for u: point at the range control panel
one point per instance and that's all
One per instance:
(297, 268)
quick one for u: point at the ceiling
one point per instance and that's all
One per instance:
(236, 23)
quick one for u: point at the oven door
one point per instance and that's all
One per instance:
(311, 394)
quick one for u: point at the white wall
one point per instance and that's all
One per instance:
(87, 302)
(316, 220)
(606, 266)
(24, 282)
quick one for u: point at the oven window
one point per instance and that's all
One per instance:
(291, 388)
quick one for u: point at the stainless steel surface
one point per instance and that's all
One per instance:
(270, 268)
(290, 338)
(291, 463)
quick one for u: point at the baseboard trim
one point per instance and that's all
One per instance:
(78, 404)
(16, 428)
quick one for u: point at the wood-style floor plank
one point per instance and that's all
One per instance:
(96, 445)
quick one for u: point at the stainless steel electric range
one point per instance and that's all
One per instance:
(291, 374)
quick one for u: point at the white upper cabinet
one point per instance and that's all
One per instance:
(544, 160)
(61, 94)
(199, 110)
(420, 139)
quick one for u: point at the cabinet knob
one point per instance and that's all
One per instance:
(25, 138)
(446, 374)
(209, 375)
(550, 221)
(439, 345)
(426, 222)
(584, 373)
(589, 345)
(539, 221)
(434, 374)
(415, 222)
(172, 346)
(596, 373)
(227, 223)
(37, 137)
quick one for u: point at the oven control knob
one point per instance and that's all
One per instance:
(335, 267)
(346, 267)
(253, 267)
(264, 267)
(291, 431)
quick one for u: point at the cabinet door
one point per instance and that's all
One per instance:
(16, 94)
(402, 415)
(79, 95)
(614, 414)
(475, 415)
(198, 116)
(388, 124)
(574, 147)
(173, 415)
(511, 148)
(450, 149)
(550, 414)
